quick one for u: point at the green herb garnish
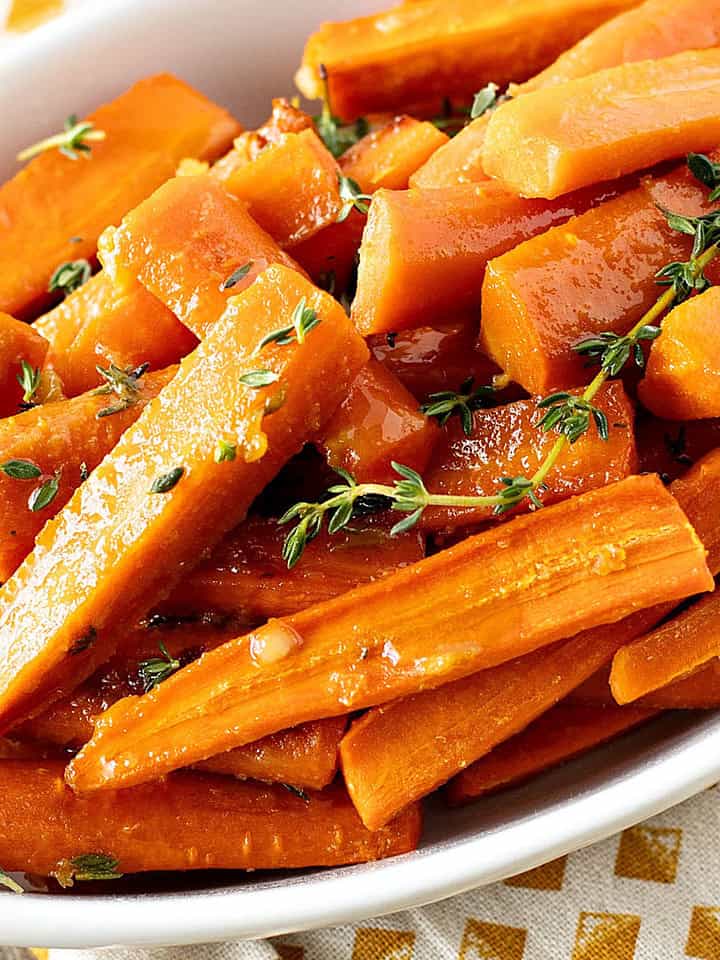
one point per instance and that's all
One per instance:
(224, 451)
(462, 403)
(167, 481)
(157, 669)
(259, 378)
(352, 197)
(123, 383)
(43, 496)
(237, 275)
(69, 276)
(303, 320)
(29, 379)
(484, 100)
(21, 469)
(95, 866)
(337, 136)
(707, 172)
(74, 140)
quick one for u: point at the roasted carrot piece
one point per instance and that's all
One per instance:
(372, 645)
(64, 440)
(191, 821)
(561, 734)
(506, 441)
(424, 252)
(149, 129)
(670, 448)
(595, 273)
(247, 577)
(682, 378)
(18, 342)
(160, 499)
(185, 244)
(699, 691)
(698, 492)
(603, 126)
(102, 324)
(379, 422)
(434, 49)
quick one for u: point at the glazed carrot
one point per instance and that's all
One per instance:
(191, 821)
(160, 498)
(561, 734)
(424, 252)
(670, 448)
(600, 127)
(698, 492)
(18, 342)
(64, 440)
(699, 691)
(419, 628)
(102, 324)
(184, 244)
(595, 273)
(379, 422)
(148, 130)
(247, 577)
(506, 441)
(682, 378)
(435, 49)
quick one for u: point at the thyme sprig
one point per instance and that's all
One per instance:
(29, 379)
(44, 494)
(7, 881)
(303, 320)
(69, 276)
(123, 383)
(352, 198)
(570, 416)
(95, 866)
(462, 403)
(612, 352)
(484, 100)
(155, 670)
(73, 141)
(336, 135)
(707, 172)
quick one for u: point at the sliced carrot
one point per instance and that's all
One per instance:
(670, 448)
(459, 161)
(191, 821)
(18, 342)
(160, 499)
(699, 691)
(185, 244)
(682, 378)
(698, 492)
(561, 734)
(603, 126)
(586, 561)
(149, 129)
(434, 49)
(379, 422)
(506, 442)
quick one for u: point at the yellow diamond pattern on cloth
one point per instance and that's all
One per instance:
(372, 943)
(703, 939)
(649, 853)
(491, 941)
(548, 876)
(606, 936)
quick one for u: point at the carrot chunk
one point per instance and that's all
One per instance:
(160, 499)
(18, 342)
(699, 691)
(589, 560)
(603, 126)
(191, 821)
(682, 378)
(149, 129)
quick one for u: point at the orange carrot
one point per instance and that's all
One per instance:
(600, 127)
(698, 492)
(506, 441)
(561, 734)
(18, 342)
(419, 628)
(699, 691)
(191, 821)
(148, 130)
(670, 448)
(186, 244)
(160, 498)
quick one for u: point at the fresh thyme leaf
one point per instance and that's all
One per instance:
(29, 379)
(95, 866)
(69, 276)
(612, 351)
(707, 172)
(337, 136)
(123, 383)
(452, 119)
(167, 481)
(74, 140)
(464, 403)
(43, 496)
(352, 197)
(303, 320)
(570, 416)
(484, 100)
(7, 881)
(297, 791)
(512, 491)
(237, 275)
(225, 451)
(157, 669)
(259, 378)
(21, 469)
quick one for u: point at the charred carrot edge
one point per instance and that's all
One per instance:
(18, 343)
(191, 821)
(419, 628)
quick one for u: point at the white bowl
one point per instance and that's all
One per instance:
(242, 52)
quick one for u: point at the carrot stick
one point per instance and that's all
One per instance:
(64, 440)
(670, 448)
(18, 342)
(379, 422)
(506, 441)
(101, 324)
(589, 560)
(561, 734)
(440, 48)
(600, 127)
(699, 691)
(185, 244)
(191, 821)
(148, 130)
(682, 378)
(160, 498)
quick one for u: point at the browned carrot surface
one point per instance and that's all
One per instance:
(671, 448)
(160, 499)
(419, 628)
(699, 691)
(18, 342)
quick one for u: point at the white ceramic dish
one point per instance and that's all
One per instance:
(242, 52)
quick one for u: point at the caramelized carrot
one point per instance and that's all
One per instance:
(682, 378)
(601, 127)
(160, 499)
(699, 691)
(18, 342)
(184, 244)
(435, 49)
(589, 560)
(148, 130)
(561, 734)
(506, 442)
(191, 821)
(379, 422)
(65, 440)
(670, 448)
(102, 324)
(698, 492)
